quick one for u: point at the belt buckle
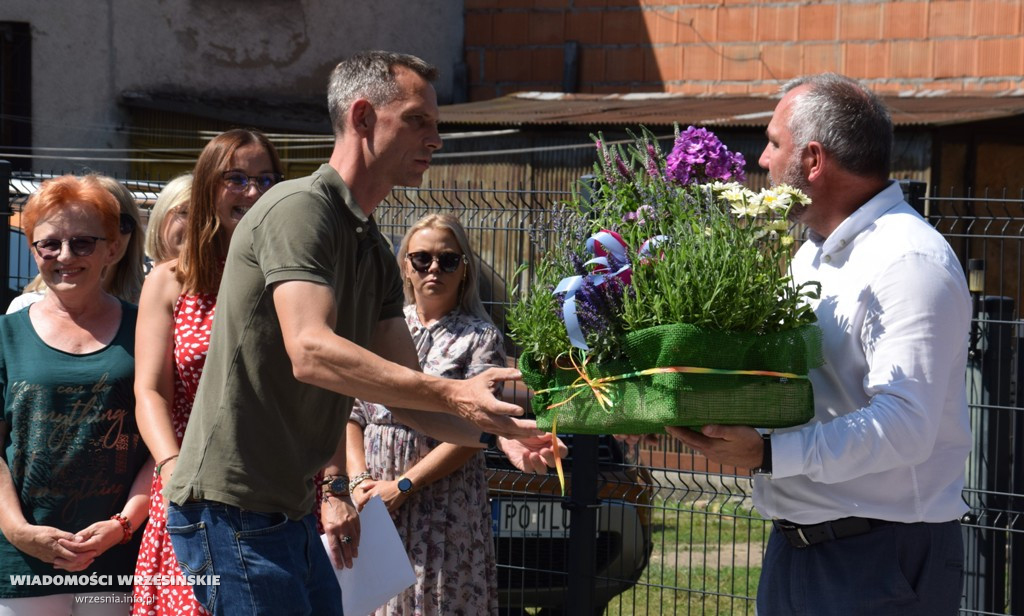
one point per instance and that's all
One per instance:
(794, 533)
(800, 533)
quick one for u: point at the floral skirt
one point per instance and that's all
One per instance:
(445, 526)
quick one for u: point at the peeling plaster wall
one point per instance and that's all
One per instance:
(85, 53)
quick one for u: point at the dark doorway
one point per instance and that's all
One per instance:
(16, 93)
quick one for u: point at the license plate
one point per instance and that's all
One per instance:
(516, 518)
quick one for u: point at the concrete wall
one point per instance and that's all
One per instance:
(86, 52)
(743, 46)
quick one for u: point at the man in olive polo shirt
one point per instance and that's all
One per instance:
(309, 315)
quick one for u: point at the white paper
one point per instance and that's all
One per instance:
(382, 569)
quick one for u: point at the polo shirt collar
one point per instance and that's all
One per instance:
(334, 181)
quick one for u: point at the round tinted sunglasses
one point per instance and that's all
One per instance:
(81, 246)
(238, 182)
(447, 261)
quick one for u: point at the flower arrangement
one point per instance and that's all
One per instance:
(670, 297)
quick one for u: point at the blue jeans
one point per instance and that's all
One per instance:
(266, 563)
(893, 570)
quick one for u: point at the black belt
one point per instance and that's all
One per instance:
(803, 535)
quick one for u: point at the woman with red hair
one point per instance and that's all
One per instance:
(73, 469)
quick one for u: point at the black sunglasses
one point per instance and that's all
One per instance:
(81, 246)
(237, 181)
(448, 261)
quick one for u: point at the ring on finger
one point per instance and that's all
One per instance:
(346, 539)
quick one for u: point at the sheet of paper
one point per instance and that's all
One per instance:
(382, 569)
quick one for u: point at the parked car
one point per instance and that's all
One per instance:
(531, 531)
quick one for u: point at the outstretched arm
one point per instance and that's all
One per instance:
(307, 314)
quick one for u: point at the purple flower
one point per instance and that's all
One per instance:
(698, 156)
(621, 166)
(652, 161)
(639, 214)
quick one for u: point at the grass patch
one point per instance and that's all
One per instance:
(666, 590)
(706, 559)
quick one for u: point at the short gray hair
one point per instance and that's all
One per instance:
(849, 120)
(369, 75)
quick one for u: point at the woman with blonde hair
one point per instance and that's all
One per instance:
(165, 230)
(175, 315)
(436, 492)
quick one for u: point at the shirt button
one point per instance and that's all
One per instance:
(828, 258)
(842, 243)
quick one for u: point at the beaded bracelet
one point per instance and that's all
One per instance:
(358, 479)
(126, 526)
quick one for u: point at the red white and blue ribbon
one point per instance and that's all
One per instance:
(602, 245)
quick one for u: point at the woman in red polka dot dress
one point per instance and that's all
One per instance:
(173, 335)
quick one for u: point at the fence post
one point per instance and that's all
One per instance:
(1016, 575)
(988, 467)
(582, 506)
(914, 193)
(5, 234)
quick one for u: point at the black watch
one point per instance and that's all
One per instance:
(766, 459)
(404, 485)
(490, 441)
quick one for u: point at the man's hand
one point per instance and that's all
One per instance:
(341, 525)
(532, 454)
(730, 445)
(475, 402)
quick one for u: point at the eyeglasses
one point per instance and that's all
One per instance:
(448, 261)
(81, 246)
(238, 182)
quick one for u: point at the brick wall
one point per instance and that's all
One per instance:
(743, 46)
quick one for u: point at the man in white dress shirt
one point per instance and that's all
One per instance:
(865, 498)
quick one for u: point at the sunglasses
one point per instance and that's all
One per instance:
(238, 182)
(81, 246)
(448, 261)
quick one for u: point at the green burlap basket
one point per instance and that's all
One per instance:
(646, 404)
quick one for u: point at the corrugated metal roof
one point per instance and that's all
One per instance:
(555, 108)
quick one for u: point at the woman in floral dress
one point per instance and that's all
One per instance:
(436, 492)
(175, 314)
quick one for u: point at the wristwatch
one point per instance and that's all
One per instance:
(766, 458)
(404, 485)
(335, 485)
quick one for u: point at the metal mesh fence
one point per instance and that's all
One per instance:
(656, 529)
(987, 231)
(672, 536)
